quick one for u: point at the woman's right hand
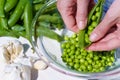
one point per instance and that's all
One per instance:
(74, 13)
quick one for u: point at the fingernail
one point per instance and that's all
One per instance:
(93, 37)
(81, 25)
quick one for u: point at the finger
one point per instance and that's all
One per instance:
(108, 21)
(106, 45)
(82, 10)
(108, 37)
(67, 10)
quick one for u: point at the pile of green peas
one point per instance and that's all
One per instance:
(82, 60)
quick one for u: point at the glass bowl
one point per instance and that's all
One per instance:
(51, 49)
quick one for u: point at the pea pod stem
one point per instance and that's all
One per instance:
(2, 3)
(10, 4)
(17, 13)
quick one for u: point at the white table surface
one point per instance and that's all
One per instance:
(50, 74)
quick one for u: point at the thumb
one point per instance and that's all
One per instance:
(81, 15)
(101, 30)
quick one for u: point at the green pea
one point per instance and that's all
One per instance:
(66, 38)
(83, 67)
(68, 50)
(72, 47)
(72, 52)
(93, 17)
(94, 24)
(76, 61)
(96, 57)
(77, 52)
(67, 45)
(109, 63)
(63, 45)
(80, 56)
(102, 68)
(76, 66)
(86, 63)
(71, 64)
(82, 60)
(69, 60)
(90, 61)
(97, 14)
(89, 67)
(77, 39)
(90, 55)
(79, 69)
(112, 59)
(74, 36)
(90, 28)
(97, 9)
(72, 57)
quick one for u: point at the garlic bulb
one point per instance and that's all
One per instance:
(14, 48)
(16, 72)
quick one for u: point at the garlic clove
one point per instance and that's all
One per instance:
(17, 47)
(9, 47)
(4, 55)
(40, 65)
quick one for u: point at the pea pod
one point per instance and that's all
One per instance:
(17, 13)
(28, 18)
(10, 4)
(101, 11)
(38, 6)
(3, 23)
(92, 12)
(43, 31)
(94, 19)
(81, 38)
(18, 28)
(7, 33)
(50, 18)
(2, 3)
(38, 1)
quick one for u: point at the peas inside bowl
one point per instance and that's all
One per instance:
(66, 56)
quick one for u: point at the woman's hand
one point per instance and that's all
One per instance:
(107, 34)
(74, 13)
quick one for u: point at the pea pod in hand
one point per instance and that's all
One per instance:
(93, 20)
